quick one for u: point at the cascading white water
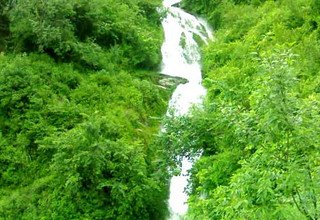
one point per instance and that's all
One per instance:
(181, 58)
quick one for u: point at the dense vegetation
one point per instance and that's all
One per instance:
(80, 109)
(259, 129)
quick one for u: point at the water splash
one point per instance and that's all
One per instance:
(181, 58)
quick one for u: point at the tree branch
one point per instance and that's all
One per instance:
(301, 208)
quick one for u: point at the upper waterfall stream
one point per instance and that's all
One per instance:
(181, 58)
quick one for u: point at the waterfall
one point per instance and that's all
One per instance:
(181, 58)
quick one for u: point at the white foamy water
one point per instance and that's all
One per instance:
(181, 58)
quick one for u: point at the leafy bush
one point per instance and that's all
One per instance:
(78, 144)
(64, 29)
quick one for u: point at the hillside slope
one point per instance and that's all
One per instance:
(259, 130)
(80, 110)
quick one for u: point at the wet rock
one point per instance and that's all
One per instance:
(169, 81)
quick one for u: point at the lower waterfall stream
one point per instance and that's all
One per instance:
(181, 58)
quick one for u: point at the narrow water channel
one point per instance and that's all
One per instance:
(181, 58)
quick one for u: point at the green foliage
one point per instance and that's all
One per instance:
(4, 23)
(79, 110)
(84, 31)
(111, 175)
(78, 144)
